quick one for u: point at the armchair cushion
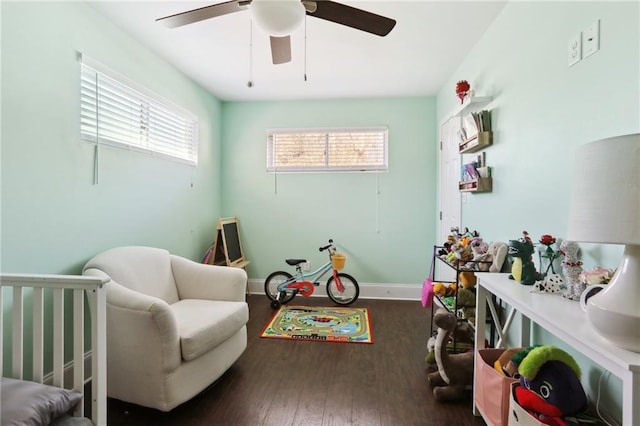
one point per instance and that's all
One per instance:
(200, 281)
(204, 324)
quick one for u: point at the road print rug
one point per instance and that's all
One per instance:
(338, 324)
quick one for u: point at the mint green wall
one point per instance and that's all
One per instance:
(53, 217)
(386, 236)
(542, 112)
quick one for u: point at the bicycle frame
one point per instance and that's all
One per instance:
(301, 281)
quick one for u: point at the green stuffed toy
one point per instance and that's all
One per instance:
(550, 387)
(523, 269)
(467, 303)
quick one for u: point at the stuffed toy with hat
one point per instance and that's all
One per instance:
(550, 388)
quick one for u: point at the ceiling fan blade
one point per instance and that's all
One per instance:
(280, 49)
(202, 13)
(351, 17)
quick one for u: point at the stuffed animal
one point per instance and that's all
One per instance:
(523, 269)
(551, 284)
(455, 371)
(481, 256)
(467, 279)
(505, 365)
(498, 251)
(463, 337)
(550, 387)
(462, 254)
(571, 269)
(467, 303)
(444, 289)
(446, 246)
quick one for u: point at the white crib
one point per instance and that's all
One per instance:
(38, 289)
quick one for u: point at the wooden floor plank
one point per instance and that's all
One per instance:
(282, 382)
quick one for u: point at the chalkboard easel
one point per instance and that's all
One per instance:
(227, 249)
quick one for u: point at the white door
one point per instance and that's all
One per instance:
(448, 193)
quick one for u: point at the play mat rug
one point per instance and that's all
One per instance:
(347, 325)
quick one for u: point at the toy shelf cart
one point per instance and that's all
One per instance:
(453, 305)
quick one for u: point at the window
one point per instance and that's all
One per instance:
(312, 150)
(117, 114)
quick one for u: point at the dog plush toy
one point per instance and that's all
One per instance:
(551, 284)
(455, 371)
(571, 268)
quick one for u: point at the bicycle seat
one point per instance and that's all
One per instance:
(294, 262)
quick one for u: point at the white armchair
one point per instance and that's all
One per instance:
(174, 326)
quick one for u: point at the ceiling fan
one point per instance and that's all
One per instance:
(279, 18)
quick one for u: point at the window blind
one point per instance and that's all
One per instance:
(357, 149)
(114, 113)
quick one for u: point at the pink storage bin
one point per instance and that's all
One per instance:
(492, 390)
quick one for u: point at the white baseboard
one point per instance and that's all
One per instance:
(367, 291)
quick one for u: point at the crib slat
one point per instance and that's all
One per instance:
(38, 334)
(78, 347)
(98, 307)
(58, 337)
(1, 333)
(17, 333)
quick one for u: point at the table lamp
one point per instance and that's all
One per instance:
(605, 208)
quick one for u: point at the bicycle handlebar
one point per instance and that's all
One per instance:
(327, 246)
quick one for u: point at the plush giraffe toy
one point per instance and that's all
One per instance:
(571, 268)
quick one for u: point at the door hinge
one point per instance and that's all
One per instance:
(440, 214)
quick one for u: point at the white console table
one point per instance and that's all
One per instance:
(564, 319)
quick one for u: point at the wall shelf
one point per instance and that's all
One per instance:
(476, 143)
(471, 104)
(476, 185)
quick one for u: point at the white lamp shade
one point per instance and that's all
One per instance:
(605, 195)
(605, 208)
(277, 18)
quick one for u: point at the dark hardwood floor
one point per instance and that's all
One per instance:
(281, 382)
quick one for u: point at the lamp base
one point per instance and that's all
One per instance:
(614, 312)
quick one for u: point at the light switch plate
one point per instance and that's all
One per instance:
(591, 39)
(574, 52)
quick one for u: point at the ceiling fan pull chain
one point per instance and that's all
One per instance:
(305, 47)
(250, 83)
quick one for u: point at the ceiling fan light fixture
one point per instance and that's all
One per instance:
(277, 18)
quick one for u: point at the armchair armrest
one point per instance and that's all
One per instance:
(131, 314)
(199, 281)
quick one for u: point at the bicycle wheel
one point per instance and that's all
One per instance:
(271, 286)
(348, 295)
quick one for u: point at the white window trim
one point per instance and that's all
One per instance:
(187, 151)
(271, 168)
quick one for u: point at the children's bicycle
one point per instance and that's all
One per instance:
(281, 287)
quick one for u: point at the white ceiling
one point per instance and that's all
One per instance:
(428, 43)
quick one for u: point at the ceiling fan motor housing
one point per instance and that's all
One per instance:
(278, 18)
